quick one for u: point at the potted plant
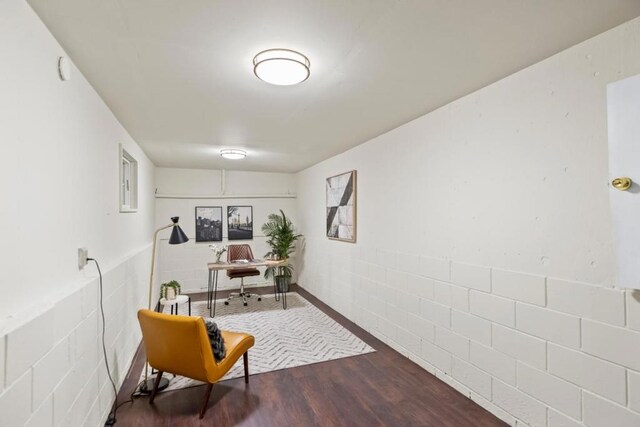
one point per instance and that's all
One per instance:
(281, 236)
(170, 290)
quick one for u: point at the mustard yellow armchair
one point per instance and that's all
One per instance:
(180, 345)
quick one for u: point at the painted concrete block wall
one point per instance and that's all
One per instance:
(54, 369)
(59, 177)
(485, 243)
(186, 188)
(59, 182)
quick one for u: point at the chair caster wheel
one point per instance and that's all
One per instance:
(259, 299)
(226, 303)
(245, 304)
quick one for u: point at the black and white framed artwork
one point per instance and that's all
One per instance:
(208, 223)
(341, 207)
(240, 222)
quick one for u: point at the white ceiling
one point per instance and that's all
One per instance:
(178, 74)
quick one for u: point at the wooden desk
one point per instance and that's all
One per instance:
(216, 267)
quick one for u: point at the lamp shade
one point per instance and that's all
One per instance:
(177, 235)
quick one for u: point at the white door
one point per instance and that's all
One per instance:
(623, 99)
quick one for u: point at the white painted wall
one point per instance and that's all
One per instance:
(187, 263)
(485, 243)
(59, 185)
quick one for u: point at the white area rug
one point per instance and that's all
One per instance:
(299, 335)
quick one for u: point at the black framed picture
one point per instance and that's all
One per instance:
(208, 223)
(240, 222)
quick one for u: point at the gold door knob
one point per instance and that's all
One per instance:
(622, 183)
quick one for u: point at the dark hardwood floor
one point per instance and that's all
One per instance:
(377, 389)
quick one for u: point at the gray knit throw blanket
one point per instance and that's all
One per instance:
(217, 342)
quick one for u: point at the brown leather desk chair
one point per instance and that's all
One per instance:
(234, 253)
(180, 345)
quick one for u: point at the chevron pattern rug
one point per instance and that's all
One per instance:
(299, 335)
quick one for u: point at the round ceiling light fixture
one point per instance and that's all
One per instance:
(233, 154)
(282, 67)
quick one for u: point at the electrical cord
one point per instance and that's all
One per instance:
(134, 395)
(111, 419)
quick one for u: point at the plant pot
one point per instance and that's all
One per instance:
(282, 283)
(171, 294)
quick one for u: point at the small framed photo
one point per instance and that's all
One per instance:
(208, 223)
(128, 182)
(341, 207)
(240, 222)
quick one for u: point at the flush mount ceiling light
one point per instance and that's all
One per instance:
(283, 67)
(233, 154)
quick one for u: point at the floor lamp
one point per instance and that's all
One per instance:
(177, 237)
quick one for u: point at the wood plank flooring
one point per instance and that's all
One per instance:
(377, 389)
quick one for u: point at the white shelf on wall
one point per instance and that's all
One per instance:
(226, 196)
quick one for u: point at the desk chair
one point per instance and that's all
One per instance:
(234, 253)
(180, 345)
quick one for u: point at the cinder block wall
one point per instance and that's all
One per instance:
(55, 373)
(60, 185)
(485, 248)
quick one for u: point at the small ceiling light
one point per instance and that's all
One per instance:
(233, 154)
(283, 67)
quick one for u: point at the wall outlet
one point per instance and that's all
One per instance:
(83, 254)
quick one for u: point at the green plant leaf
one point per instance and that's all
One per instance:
(281, 237)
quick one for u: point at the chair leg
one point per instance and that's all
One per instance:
(206, 400)
(156, 383)
(245, 356)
